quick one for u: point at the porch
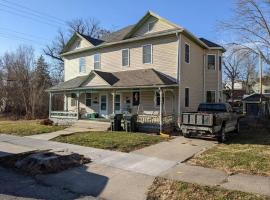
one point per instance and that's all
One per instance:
(152, 97)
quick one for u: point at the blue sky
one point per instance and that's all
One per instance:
(17, 27)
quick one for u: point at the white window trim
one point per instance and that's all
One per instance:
(118, 111)
(212, 91)
(149, 25)
(188, 52)
(82, 72)
(85, 98)
(105, 94)
(124, 66)
(215, 61)
(96, 61)
(188, 97)
(151, 62)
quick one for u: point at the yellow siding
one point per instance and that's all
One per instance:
(164, 58)
(191, 75)
(83, 44)
(95, 80)
(158, 26)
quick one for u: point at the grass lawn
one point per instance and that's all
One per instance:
(248, 153)
(168, 189)
(26, 127)
(118, 141)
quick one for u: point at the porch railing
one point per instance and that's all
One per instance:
(64, 114)
(152, 122)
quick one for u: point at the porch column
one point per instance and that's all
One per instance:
(160, 109)
(113, 102)
(78, 104)
(66, 102)
(50, 104)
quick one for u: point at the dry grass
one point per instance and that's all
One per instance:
(26, 127)
(247, 153)
(118, 141)
(163, 189)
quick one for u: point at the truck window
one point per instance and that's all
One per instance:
(215, 107)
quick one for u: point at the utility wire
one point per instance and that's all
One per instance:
(21, 38)
(35, 11)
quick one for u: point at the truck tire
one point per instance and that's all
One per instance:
(237, 128)
(186, 135)
(221, 138)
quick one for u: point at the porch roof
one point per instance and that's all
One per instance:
(121, 79)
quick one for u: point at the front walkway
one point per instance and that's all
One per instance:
(79, 126)
(117, 175)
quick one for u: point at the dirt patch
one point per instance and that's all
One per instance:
(43, 162)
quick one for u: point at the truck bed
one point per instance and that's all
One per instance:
(198, 119)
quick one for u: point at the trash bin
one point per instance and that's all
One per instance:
(116, 122)
(130, 122)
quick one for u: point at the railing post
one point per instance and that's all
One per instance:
(78, 105)
(160, 109)
(50, 104)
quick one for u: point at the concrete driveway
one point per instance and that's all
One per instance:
(179, 149)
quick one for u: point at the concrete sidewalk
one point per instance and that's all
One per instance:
(79, 126)
(127, 176)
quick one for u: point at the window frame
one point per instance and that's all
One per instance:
(99, 67)
(87, 98)
(214, 96)
(156, 96)
(120, 103)
(186, 44)
(128, 57)
(214, 63)
(151, 57)
(152, 22)
(187, 98)
(80, 66)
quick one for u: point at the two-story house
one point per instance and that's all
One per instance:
(154, 67)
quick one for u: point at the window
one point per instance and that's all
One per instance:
(97, 61)
(117, 102)
(187, 53)
(267, 91)
(73, 102)
(157, 99)
(82, 65)
(151, 26)
(88, 99)
(220, 63)
(147, 54)
(136, 98)
(125, 57)
(211, 96)
(186, 97)
(211, 62)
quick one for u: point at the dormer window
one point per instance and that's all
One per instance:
(151, 26)
(78, 44)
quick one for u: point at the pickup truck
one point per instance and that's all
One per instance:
(211, 119)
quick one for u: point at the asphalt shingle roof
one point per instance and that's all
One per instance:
(209, 43)
(130, 78)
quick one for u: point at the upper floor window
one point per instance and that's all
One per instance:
(151, 26)
(125, 57)
(187, 53)
(97, 61)
(211, 62)
(82, 65)
(186, 97)
(211, 96)
(220, 63)
(147, 54)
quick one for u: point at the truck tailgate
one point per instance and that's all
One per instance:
(200, 119)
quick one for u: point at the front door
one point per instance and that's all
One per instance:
(103, 105)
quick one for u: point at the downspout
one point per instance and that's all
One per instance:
(218, 76)
(204, 65)
(179, 67)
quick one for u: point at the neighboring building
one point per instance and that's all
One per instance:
(237, 94)
(265, 86)
(139, 68)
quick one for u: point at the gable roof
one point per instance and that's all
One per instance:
(124, 35)
(122, 79)
(144, 18)
(255, 97)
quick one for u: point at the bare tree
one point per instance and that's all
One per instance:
(251, 25)
(90, 27)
